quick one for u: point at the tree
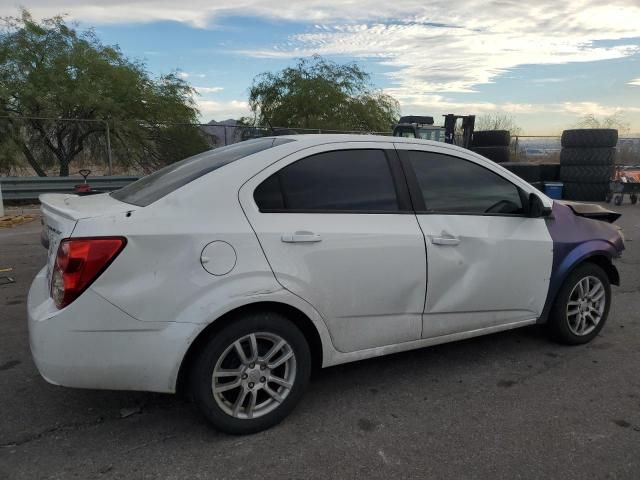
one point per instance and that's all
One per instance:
(318, 93)
(49, 70)
(613, 121)
(497, 121)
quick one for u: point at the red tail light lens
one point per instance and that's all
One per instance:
(78, 263)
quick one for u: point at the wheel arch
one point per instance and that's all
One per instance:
(604, 262)
(302, 321)
(602, 258)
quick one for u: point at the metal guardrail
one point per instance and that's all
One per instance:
(29, 188)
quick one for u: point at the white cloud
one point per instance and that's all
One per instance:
(427, 59)
(550, 80)
(211, 109)
(203, 90)
(595, 108)
(186, 75)
(429, 48)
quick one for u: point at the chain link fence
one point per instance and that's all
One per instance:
(137, 148)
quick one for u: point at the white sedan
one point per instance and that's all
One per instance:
(233, 273)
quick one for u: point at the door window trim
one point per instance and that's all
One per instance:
(403, 197)
(417, 198)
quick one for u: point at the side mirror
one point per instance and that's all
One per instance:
(537, 209)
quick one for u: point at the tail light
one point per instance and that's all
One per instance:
(78, 263)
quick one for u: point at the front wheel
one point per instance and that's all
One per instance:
(581, 307)
(251, 374)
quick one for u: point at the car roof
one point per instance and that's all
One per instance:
(310, 140)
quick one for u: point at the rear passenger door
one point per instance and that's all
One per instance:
(337, 228)
(488, 263)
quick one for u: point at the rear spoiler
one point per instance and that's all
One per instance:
(56, 202)
(592, 210)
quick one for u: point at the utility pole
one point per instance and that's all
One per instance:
(110, 168)
(1, 204)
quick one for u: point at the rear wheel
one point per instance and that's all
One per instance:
(251, 374)
(581, 307)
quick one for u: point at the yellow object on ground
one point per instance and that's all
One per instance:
(9, 221)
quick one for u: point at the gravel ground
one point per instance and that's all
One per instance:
(509, 405)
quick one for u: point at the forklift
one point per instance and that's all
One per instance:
(417, 126)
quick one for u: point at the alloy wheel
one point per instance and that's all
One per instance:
(254, 375)
(586, 305)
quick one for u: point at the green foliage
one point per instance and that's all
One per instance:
(497, 121)
(318, 93)
(615, 121)
(50, 70)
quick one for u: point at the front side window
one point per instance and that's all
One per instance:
(453, 185)
(343, 180)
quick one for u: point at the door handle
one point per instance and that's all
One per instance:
(444, 240)
(301, 237)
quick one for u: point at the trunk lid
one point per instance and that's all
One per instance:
(61, 212)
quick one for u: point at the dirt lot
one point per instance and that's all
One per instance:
(510, 405)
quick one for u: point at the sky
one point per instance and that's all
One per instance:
(546, 63)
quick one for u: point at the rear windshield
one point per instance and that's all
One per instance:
(155, 186)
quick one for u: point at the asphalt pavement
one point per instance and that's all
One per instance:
(511, 405)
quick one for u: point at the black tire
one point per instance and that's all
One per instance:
(618, 200)
(200, 383)
(586, 173)
(497, 154)
(558, 325)
(634, 199)
(491, 138)
(590, 137)
(530, 172)
(608, 198)
(550, 172)
(585, 192)
(587, 156)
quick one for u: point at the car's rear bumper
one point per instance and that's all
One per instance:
(93, 344)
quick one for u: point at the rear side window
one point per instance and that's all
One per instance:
(343, 180)
(168, 179)
(453, 185)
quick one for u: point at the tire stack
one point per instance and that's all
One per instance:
(586, 163)
(492, 144)
(529, 172)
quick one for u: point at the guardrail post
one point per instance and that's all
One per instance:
(1, 203)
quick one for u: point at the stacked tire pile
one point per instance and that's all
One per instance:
(586, 163)
(492, 144)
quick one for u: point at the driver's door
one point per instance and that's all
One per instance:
(488, 264)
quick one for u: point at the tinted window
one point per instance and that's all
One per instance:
(152, 187)
(453, 185)
(346, 180)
